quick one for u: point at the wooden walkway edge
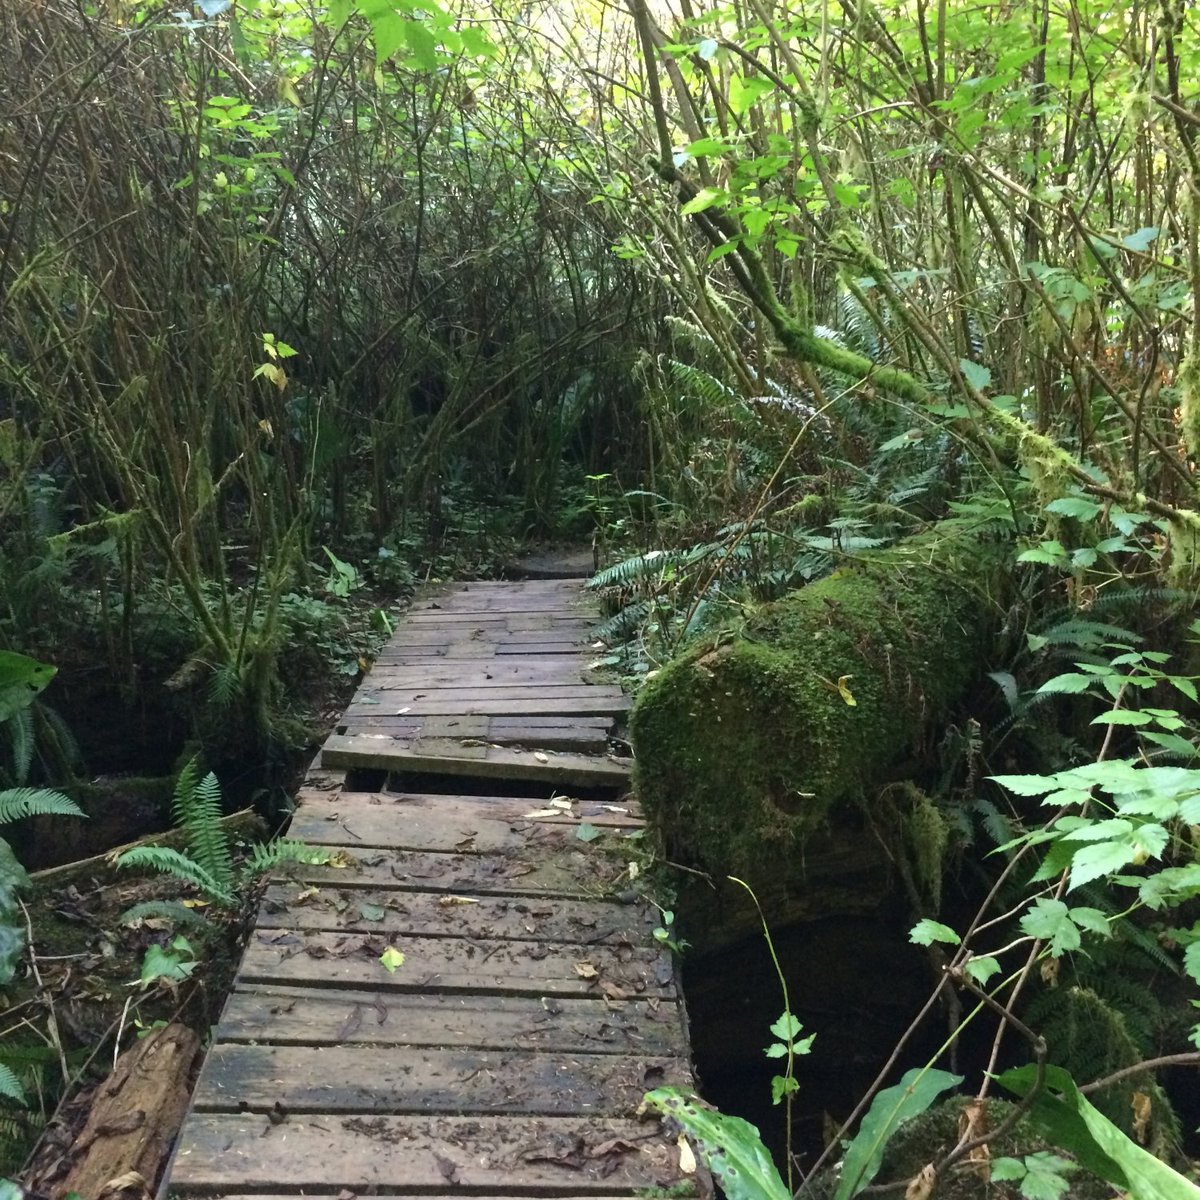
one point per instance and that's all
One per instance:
(469, 1000)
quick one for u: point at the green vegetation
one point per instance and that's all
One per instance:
(861, 341)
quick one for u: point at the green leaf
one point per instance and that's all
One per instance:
(890, 1109)
(21, 680)
(1191, 961)
(1103, 858)
(926, 932)
(776, 1050)
(707, 49)
(1069, 1122)
(745, 92)
(587, 832)
(1078, 507)
(704, 199)
(1141, 239)
(731, 1148)
(371, 912)
(787, 1028)
(1123, 716)
(783, 1085)
(1050, 920)
(705, 147)
(980, 970)
(977, 375)
(390, 959)
(163, 964)
(1026, 785)
(422, 44)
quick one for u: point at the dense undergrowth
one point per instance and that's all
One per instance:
(301, 305)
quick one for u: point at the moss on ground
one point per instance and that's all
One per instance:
(745, 745)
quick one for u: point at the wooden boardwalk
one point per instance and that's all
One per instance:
(469, 1000)
(487, 680)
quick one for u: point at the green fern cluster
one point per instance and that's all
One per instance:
(207, 865)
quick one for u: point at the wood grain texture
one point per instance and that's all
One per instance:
(283, 1015)
(220, 1151)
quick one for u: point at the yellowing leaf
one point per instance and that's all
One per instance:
(845, 692)
(450, 901)
(194, 903)
(585, 970)
(687, 1157)
(391, 958)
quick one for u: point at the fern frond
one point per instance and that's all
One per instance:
(16, 803)
(266, 856)
(621, 624)
(171, 909)
(206, 837)
(20, 733)
(171, 862)
(640, 567)
(224, 687)
(10, 1085)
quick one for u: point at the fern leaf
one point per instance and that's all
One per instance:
(20, 729)
(16, 803)
(173, 911)
(638, 568)
(171, 862)
(264, 856)
(206, 837)
(10, 1085)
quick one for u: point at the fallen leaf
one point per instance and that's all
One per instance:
(687, 1157)
(371, 912)
(921, 1185)
(1142, 1110)
(391, 958)
(447, 1168)
(562, 802)
(585, 970)
(130, 1181)
(351, 1025)
(193, 904)
(452, 901)
(542, 812)
(612, 1146)
(541, 757)
(587, 832)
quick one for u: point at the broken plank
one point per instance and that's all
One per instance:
(311, 1016)
(368, 910)
(456, 965)
(311, 1079)
(218, 1152)
(344, 750)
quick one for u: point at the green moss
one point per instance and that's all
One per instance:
(743, 747)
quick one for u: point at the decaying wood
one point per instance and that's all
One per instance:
(135, 1114)
(245, 823)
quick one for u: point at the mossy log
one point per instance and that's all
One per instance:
(749, 743)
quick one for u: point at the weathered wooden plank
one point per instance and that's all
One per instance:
(518, 810)
(319, 1017)
(346, 750)
(597, 701)
(371, 910)
(336, 1079)
(535, 870)
(560, 738)
(446, 823)
(368, 698)
(485, 673)
(223, 1151)
(453, 964)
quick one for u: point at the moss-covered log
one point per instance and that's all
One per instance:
(750, 742)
